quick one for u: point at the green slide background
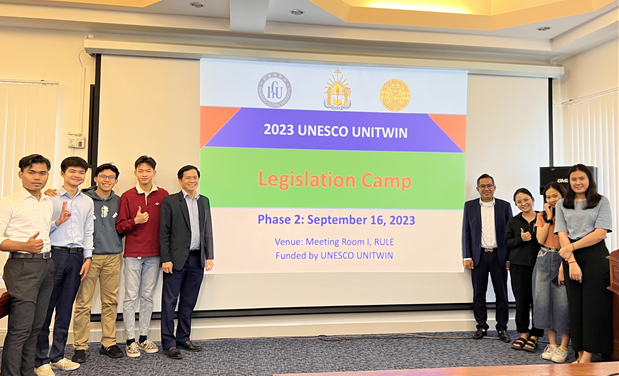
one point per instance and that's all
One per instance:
(230, 177)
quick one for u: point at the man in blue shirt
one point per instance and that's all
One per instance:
(71, 238)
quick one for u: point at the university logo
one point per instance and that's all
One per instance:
(338, 92)
(395, 95)
(274, 89)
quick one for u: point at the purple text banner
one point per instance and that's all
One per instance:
(330, 130)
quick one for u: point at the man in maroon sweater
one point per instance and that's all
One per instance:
(139, 211)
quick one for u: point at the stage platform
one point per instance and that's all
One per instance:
(592, 369)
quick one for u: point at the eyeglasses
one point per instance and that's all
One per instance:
(105, 177)
(482, 186)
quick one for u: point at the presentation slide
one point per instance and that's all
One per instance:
(327, 168)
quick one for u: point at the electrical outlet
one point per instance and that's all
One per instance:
(77, 142)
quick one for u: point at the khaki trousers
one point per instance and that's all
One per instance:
(106, 270)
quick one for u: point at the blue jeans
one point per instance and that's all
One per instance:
(550, 306)
(141, 275)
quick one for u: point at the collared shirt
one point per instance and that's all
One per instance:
(22, 215)
(78, 230)
(194, 219)
(143, 192)
(488, 230)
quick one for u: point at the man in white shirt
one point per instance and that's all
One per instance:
(484, 252)
(25, 218)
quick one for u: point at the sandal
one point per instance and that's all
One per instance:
(519, 343)
(531, 346)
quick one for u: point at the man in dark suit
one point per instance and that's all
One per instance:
(186, 242)
(484, 251)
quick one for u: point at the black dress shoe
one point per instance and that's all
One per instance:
(480, 333)
(79, 356)
(503, 336)
(173, 353)
(189, 346)
(113, 351)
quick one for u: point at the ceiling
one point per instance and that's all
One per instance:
(489, 30)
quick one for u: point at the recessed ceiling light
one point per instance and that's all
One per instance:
(195, 4)
(297, 12)
(544, 28)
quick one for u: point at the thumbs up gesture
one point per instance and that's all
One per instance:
(34, 245)
(65, 214)
(140, 217)
(526, 236)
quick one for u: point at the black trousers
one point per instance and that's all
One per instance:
(489, 264)
(522, 286)
(30, 283)
(67, 268)
(185, 282)
(590, 302)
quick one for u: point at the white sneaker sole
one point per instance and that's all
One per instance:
(61, 368)
(41, 374)
(133, 355)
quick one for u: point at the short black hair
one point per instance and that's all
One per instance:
(187, 168)
(145, 159)
(73, 162)
(523, 190)
(107, 166)
(31, 159)
(484, 176)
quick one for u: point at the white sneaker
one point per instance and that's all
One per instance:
(549, 351)
(65, 365)
(44, 370)
(149, 346)
(560, 355)
(133, 351)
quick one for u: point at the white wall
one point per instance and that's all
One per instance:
(590, 72)
(52, 55)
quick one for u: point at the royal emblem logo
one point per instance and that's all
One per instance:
(395, 95)
(338, 92)
(274, 89)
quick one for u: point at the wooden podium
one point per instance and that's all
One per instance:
(614, 287)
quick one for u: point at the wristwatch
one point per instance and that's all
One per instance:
(88, 258)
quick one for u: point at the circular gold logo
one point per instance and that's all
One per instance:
(395, 95)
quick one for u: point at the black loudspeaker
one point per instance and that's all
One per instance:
(559, 174)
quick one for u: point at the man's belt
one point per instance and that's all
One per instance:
(489, 250)
(42, 255)
(68, 249)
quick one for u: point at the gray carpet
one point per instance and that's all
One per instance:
(268, 356)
